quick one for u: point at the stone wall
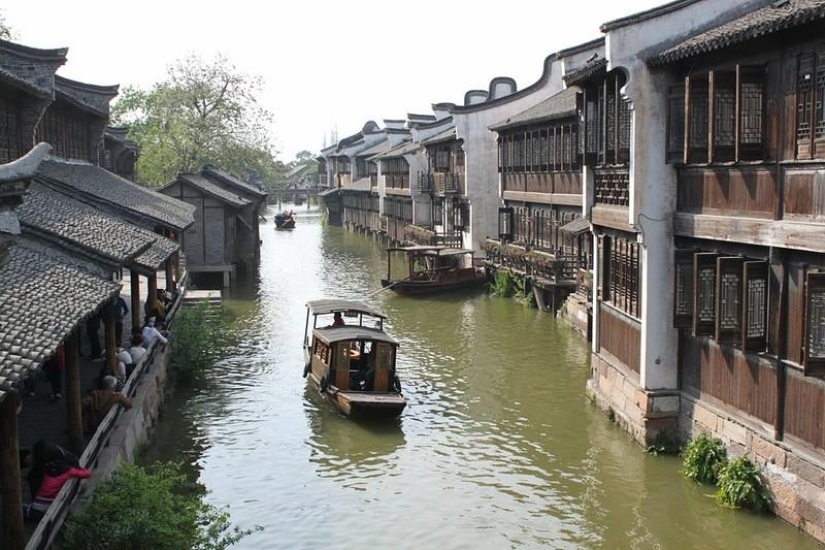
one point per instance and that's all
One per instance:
(644, 414)
(132, 428)
(795, 476)
(574, 311)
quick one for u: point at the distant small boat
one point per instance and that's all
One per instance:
(430, 269)
(352, 362)
(285, 220)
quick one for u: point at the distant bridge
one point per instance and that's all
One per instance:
(290, 195)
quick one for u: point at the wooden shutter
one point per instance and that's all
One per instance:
(729, 299)
(755, 306)
(814, 347)
(750, 112)
(683, 295)
(704, 288)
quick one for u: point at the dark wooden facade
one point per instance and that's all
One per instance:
(605, 150)
(746, 133)
(360, 209)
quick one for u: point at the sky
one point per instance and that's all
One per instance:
(326, 65)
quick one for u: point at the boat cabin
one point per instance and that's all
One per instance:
(351, 359)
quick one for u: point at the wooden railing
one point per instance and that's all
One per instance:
(441, 183)
(548, 266)
(51, 523)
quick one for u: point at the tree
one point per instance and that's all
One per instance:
(303, 157)
(6, 32)
(204, 112)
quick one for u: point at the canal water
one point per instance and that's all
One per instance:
(497, 448)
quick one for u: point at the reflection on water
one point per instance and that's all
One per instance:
(497, 447)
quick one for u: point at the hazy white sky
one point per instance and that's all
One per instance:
(325, 63)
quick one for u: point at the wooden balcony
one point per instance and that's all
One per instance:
(441, 183)
(428, 237)
(546, 267)
(398, 181)
(565, 183)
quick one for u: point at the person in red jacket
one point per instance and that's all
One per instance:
(58, 472)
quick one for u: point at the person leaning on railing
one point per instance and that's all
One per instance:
(96, 405)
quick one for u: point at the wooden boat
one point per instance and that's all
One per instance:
(428, 269)
(285, 220)
(352, 360)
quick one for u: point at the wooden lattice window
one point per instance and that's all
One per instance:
(528, 151)
(10, 137)
(729, 299)
(591, 139)
(623, 154)
(814, 349)
(755, 306)
(804, 103)
(683, 289)
(699, 119)
(676, 124)
(724, 115)
(704, 284)
(623, 275)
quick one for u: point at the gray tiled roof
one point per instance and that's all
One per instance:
(54, 214)
(445, 135)
(100, 184)
(381, 147)
(153, 258)
(772, 18)
(561, 105)
(399, 151)
(210, 172)
(202, 183)
(91, 98)
(580, 74)
(42, 299)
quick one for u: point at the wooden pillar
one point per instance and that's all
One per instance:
(135, 284)
(74, 393)
(178, 269)
(109, 339)
(13, 536)
(152, 292)
(170, 277)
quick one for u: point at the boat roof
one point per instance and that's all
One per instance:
(322, 307)
(340, 334)
(431, 250)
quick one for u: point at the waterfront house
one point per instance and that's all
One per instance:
(248, 248)
(211, 242)
(542, 235)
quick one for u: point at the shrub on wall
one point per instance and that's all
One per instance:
(138, 509)
(202, 333)
(704, 457)
(741, 486)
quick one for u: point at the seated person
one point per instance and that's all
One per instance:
(57, 473)
(97, 404)
(337, 321)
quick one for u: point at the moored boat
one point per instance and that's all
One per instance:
(430, 269)
(351, 360)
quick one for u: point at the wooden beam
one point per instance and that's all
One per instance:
(737, 132)
(13, 536)
(688, 93)
(74, 393)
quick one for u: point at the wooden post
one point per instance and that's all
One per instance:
(135, 284)
(152, 292)
(74, 393)
(177, 266)
(13, 536)
(170, 277)
(109, 339)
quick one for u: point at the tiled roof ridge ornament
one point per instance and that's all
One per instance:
(14, 181)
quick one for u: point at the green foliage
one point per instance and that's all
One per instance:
(704, 457)
(158, 509)
(202, 333)
(741, 486)
(205, 112)
(503, 284)
(6, 32)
